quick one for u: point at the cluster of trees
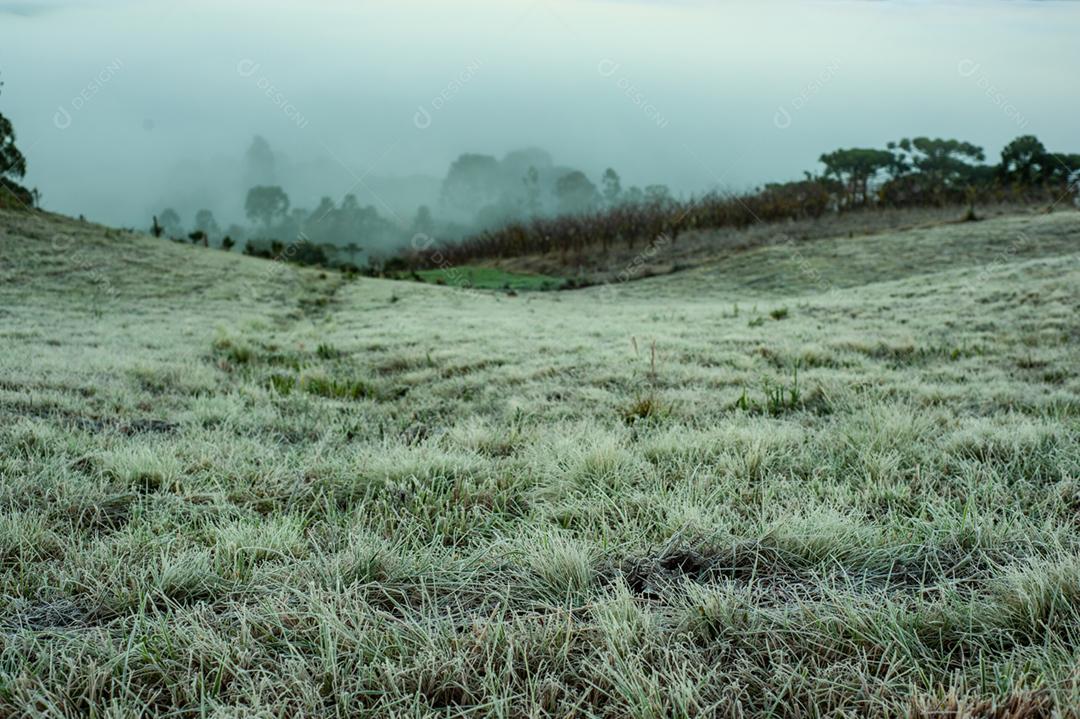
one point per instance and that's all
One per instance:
(916, 172)
(480, 194)
(524, 203)
(330, 234)
(484, 193)
(204, 230)
(327, 235)
(935, 171)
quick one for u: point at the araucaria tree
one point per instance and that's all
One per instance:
(856, 168)
(1025, 161)
(946, 164)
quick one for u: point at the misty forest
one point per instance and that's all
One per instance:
(523, 204)
(379, 360)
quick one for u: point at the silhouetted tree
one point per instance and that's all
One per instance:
(531, 181)
(611, 187)
(322, 221)
(575, 193)
(12, 162)
(198, 236)
(170, 223)
(946, 164)
(364, 223)
(266, 204)
(227, 243)
(205, 222)
(259, 163)
(12, 167)
(900, 164)
(472, 183)
(294, 223)
(423, 223)
(1025, 161)
(237, 233)
(516, 163)
(156, 229)
(323, 209)
(856, 168)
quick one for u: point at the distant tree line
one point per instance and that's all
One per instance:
(484, 193)
(479, 193)
(327, 235)
(924, 171)
(524, 204)
(917, 172)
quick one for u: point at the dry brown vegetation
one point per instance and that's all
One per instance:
(666, 254)
(632, 228)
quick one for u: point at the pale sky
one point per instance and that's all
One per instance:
(121, 105)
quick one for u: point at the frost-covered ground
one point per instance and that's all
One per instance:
(836, 476)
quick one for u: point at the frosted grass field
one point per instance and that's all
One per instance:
(839, 478)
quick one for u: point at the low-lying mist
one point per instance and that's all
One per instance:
(262, 195)
(126, 108)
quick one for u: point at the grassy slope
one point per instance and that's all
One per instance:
(228, 483)
(695, 249)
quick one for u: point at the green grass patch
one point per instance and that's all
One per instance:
(486, 278)
(336, 387)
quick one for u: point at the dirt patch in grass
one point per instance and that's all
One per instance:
(784, 576)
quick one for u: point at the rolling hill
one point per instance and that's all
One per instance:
(810, 478)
